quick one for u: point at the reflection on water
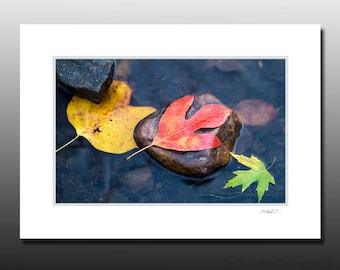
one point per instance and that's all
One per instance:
(86, 175)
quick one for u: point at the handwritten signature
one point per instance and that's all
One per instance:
(270, 211)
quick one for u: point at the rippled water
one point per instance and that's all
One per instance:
(86, 175)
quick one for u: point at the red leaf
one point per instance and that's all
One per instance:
(177, 133)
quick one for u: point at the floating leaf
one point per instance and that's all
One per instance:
(255, 112)
(257, 172)
(108, 126)
(175, 132)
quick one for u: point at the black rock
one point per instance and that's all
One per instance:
(191, 163)
(87, 78)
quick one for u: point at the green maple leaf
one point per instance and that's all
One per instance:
(257, 172)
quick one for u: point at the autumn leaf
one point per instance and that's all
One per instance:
(257, 172)
(109, 125)
(175, 132)
(255, 112)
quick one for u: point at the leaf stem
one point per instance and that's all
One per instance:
(140, 150)
(66, 144)
(271, 165)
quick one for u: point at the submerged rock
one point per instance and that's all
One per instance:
(87, 78)
(191, 163)
(138, 180)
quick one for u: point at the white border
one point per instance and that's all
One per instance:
(40, 218)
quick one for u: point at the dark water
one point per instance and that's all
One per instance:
(86, 175)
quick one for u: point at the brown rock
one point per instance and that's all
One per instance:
(191, 163)
(138, 180)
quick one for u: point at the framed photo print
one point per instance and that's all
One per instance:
(170, 132)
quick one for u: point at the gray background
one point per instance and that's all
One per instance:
(212, 254)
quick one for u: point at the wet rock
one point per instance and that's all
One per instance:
(139, 180)
(87, 78)
(191, 163)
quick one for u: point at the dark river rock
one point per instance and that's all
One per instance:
(87, 78)
(191, 163)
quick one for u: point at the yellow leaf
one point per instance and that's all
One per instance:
(109, 125)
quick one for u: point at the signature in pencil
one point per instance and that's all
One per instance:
(270, 211)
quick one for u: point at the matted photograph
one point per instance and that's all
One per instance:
(170, 131)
